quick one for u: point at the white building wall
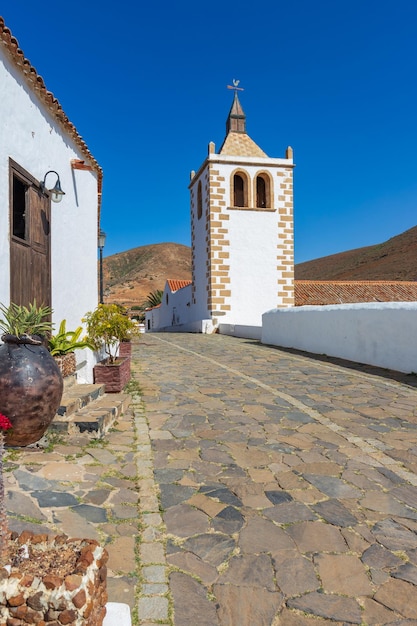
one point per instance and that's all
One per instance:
(152, 319)
(200, 245)
(251, 262)
(175, 307)
(253, 274)
(33, 138)
(383, 334)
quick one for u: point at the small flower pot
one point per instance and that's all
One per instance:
(49, 591)
(114, 376)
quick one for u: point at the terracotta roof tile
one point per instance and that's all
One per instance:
(343, 292)
(175, 284)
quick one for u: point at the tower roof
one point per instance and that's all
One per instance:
(236, 121)
(237, 142)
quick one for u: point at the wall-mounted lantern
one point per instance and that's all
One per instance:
(56, 192)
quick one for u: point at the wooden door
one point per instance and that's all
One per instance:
(30, 272)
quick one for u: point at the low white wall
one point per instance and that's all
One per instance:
(239, 330)
(198, 326)
(381, 333)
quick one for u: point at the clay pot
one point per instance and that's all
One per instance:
(31, 388)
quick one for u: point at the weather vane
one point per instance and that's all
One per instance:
(235, 86)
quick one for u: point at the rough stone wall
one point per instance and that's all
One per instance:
(76, 599)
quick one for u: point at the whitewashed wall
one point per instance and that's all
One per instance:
(237, 330)
(32, 138)
(152, 319)
(199, 244)
(381, 334)
(175, 307)
(253, 273)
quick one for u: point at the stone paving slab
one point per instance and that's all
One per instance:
(287, 487)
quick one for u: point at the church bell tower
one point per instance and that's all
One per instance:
(241, 230)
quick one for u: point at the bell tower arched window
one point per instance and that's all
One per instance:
(263, 191)
(240, 190)
(260, 192)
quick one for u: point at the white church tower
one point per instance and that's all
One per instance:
(241, 232)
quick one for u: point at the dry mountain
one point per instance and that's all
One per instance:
(395, 259)
(130, 276)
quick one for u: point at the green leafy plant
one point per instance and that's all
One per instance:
(107, 325)
(66, 341)
(23, 321)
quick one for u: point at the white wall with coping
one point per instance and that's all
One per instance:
(383, 334)
(34, 139)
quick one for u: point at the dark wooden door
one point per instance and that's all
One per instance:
(30, 272)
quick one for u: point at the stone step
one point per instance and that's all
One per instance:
(76, 397)
(70, 381)
(87, 409)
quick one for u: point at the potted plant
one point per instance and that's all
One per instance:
(49, 580)
(62, 346)
(107, 327)
(125, 343)
(31, 384)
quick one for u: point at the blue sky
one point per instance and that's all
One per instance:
(145, 85)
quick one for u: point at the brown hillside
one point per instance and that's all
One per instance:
(395, 259)
(128, 277)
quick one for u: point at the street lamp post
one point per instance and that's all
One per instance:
(101, 242)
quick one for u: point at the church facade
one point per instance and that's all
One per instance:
(241, 203)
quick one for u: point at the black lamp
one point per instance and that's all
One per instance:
(56, 192)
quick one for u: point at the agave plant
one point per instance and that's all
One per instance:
(66, 341)
(25, 321)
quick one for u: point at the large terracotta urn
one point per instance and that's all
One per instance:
(31, 388)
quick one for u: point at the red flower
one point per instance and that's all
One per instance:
(5, 423)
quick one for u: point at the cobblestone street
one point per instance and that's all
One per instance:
(287, 486)
(244, 486)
